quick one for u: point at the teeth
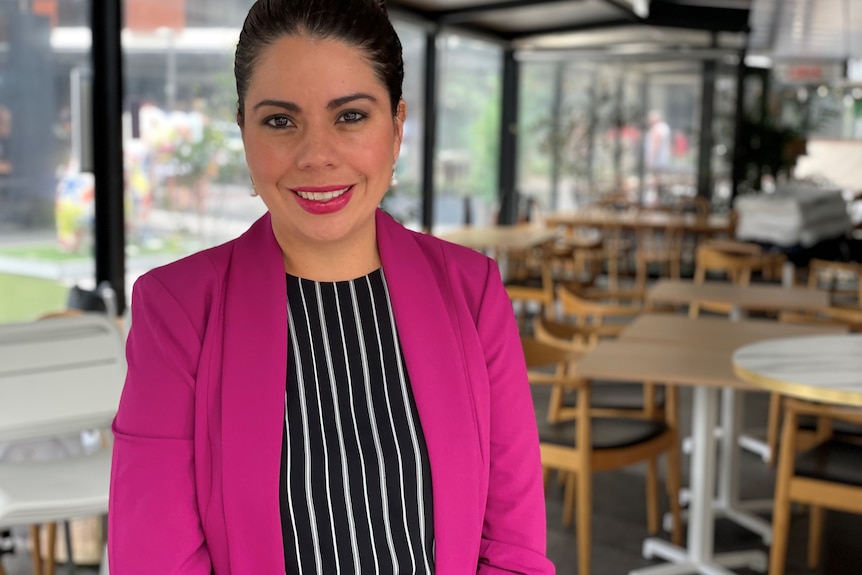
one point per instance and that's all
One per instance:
(321, 196)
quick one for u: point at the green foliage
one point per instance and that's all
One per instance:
(485, 151)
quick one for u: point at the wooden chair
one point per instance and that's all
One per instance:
(663, 246)
(643, 401)
(589, 444)
(735, 260)
(531, 280)
(590, 308)
(827, 476)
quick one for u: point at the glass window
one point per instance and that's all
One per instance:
(187, 185)
(404, 198)
(577, 124)
(674, 100)
(538, 160)
(46, 203)
(468, 132)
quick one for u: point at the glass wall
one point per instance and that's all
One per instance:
(589, 128)
(187, 186)
(404, 198)
(46, 205)
(468, 131)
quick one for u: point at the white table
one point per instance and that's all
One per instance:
(825, 368)
(708, 371)
(761, 297)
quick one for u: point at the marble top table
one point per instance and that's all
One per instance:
(825, 368)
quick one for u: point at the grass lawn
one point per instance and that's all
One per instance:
(46, 252)
(23, 298)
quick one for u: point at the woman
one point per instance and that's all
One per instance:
(329, 392)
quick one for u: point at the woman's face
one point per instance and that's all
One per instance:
(320, 140)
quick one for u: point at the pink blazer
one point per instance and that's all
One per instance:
(195, 478)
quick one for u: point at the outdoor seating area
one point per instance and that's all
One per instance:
(677, 335)
(669, 190)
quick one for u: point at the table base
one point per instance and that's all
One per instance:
(681, 563)
(743, 514)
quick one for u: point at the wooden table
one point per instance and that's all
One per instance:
(762, 297)
(693, 352)
(503, 238)
(634, 219)
(715, 332)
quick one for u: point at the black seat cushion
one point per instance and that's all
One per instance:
(529, 282)
(607, 432)
(839, 427)
(617, 396)
(836, 461)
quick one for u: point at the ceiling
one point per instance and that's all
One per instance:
(795, 30)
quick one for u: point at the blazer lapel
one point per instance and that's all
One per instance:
(254, 372)
(431, 342)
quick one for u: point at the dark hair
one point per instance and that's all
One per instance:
(361, 23)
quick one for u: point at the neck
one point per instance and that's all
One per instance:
(330, 261)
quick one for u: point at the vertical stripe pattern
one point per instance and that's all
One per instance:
(356, 481)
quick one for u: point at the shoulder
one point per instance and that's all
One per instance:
(192, 284)
(457, 264)
(189, 272)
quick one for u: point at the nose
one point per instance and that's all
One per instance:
(316, 149)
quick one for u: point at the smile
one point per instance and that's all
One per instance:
(321, 196)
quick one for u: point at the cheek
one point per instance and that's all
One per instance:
(262, 158)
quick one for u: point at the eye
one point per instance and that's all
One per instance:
(352, 117)
(278, 122)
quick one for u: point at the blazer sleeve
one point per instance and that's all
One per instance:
(154, 523)
(514, 529)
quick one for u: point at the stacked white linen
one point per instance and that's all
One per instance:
(796, 214)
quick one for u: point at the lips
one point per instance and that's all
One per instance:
(323, 194)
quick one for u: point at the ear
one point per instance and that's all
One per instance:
(400, 116)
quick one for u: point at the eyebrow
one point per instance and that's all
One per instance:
(332, 105)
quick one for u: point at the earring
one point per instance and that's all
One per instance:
(253, 193)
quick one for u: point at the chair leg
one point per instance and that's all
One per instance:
(555, 404)
(51, 549)
(781, 513)
(37, 549)
(673, 481)
(815, 535)
(2, 570)
(584, 527)
(569, 503)
(773, 427)
(652, 496)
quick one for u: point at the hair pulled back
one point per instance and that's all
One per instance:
(364, 24)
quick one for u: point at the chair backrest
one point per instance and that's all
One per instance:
(59, 375)
(736, 264)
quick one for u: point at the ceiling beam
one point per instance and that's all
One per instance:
(466, 13)
(697, 17)
(567, 28)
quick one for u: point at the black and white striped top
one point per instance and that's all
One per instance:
(356, 481)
